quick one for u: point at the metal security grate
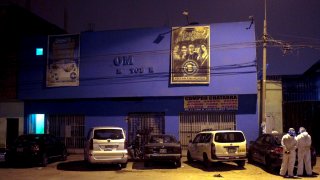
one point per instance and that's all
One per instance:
(70, 129)
(145, 124)
(193, 122)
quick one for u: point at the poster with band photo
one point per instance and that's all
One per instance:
(63, 60)
(190, 55)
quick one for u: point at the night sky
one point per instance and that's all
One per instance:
(293, 24)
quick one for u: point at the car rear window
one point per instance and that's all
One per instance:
(108, 134)
(28, 138)
(162, 139)
(278, 138)
(224, 137)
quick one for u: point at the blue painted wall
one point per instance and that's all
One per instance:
(99, 112)
(233, 60)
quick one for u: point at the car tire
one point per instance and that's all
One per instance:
(88, 164)
(64, 155)
(123, 165)
(250, 159)
(8, 161)
(268, 164)
(178, 163)
(146, 164)
(44, 160)
(189, 158)
(206, 161)
(241, 163)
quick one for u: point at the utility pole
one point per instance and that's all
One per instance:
(264, 71)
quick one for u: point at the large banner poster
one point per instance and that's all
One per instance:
(63, 60)
(190, 55)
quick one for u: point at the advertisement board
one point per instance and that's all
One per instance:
(63, 60)
(190, 55)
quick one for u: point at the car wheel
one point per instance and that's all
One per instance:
(123, 165)
(146, 164)
(241, 163)
(8, 161)
(189, 158)
(87, 164)
(206, 161)
(178, 163)
(268, 164)
(44, 160)
(250, 159)
(64, 155)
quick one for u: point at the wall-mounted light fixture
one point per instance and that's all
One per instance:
(160, 37)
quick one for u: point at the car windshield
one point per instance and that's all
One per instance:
(229, 137)
(162, 139)
(108, 134)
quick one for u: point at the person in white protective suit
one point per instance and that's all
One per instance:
(289, 144)
(304, 156)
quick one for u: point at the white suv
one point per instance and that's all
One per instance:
(219, 145)
(106, 145)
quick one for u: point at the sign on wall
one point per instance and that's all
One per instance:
(63, 60)
(190, 55)
(211, 103)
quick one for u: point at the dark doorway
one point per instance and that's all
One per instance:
(145, 124)
(12, 129)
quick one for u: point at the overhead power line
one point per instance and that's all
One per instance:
(223, 70)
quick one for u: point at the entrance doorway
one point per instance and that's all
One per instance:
(145, 124)
(70, 130)
(12, 130)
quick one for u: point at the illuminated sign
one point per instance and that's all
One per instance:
(39, 51)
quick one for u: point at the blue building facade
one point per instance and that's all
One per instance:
(125, 79)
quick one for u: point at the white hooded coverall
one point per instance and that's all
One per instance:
(289, 144)
(304, 156)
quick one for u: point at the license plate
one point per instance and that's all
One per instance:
(231, 150)
(110, 147)
(20, 149)
(163, 151)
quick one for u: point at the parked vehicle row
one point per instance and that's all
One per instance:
(108, 145)
(267, 150)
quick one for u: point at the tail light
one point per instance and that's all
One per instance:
(277, 150)
(213, 150)
(35, 148)
(91, 144)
